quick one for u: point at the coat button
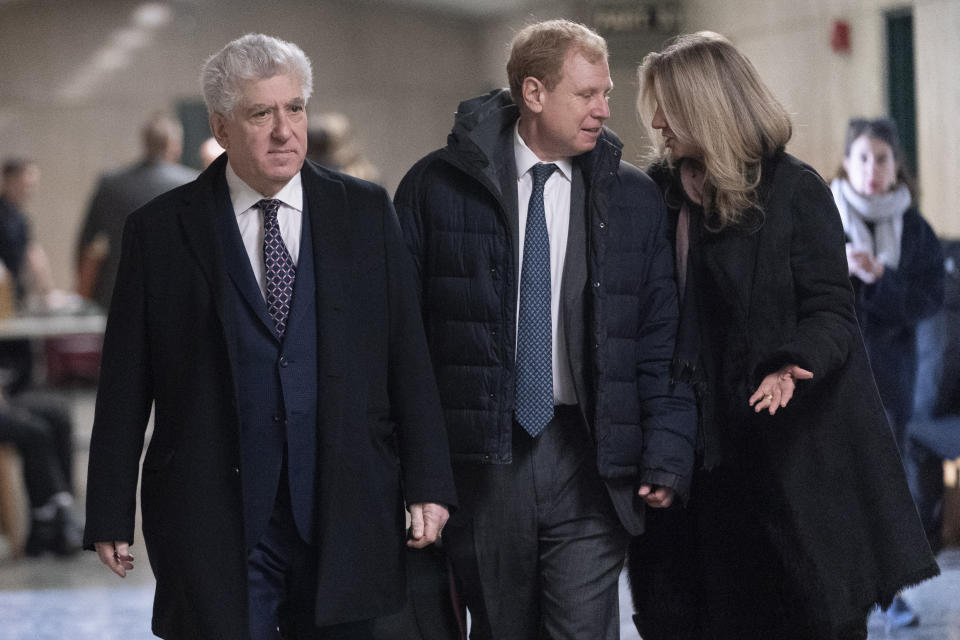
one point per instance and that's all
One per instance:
(236, 471)
(283, 361)
(596, 284)
(603, 225)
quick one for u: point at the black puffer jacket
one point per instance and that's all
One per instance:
(456, 216)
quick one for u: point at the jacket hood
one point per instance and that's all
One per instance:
(483, 124)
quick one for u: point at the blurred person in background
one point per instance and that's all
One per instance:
(37, 423)
(22, 256)
(895, 263)
(117, 195)
(799, 519)
(42, 433)
(209, 151)
(25, 261)
(331, 144)
(933, 433)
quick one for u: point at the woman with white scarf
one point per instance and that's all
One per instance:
(896, 266)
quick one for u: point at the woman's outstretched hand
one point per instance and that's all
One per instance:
(776, 390)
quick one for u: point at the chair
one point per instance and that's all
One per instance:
(13, 524)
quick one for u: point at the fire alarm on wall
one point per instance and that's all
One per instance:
(840, 36)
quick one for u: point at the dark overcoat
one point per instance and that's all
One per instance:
(823, 473)
(380, 429)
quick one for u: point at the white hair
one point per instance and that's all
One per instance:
(249, 58)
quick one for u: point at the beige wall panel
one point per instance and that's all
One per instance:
(937, 34)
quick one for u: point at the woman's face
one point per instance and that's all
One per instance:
(675, 148)
(870, 166)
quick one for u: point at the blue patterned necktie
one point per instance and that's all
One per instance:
(279, 267)
(534, 398)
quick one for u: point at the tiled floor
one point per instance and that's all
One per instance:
(78, 599)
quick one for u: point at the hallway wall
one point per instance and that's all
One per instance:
(398, 73)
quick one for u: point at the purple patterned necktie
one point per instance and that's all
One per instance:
(280, 270)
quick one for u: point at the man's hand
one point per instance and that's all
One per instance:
(426, 523)
(659, 497)
(115, 555)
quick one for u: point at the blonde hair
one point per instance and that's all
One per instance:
(714, 101)
(538, 51)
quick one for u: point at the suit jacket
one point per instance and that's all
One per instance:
(380, 434)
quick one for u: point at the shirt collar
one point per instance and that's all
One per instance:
(243, 196)
(526, 158)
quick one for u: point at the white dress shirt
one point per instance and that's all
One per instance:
(556, 201)
(250, 220)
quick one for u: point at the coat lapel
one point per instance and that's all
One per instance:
(332, 254)
(199, 219)
(237, 262)
(734, 254)
(507, 176)
(573, 283)
(731, 259)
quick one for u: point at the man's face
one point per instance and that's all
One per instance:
(19, 188)
(572, 113)
(266, 135)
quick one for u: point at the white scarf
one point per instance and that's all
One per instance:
(884, 211)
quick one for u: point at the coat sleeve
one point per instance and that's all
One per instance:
(668, 407)
(407, 203)
(914, 290)
(124, 398)
(826, 325)
(414, 399)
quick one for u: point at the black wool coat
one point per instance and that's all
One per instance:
(380, 429)
(825, 472)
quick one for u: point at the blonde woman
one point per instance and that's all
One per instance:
(800, 520)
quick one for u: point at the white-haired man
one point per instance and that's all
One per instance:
(268, 312)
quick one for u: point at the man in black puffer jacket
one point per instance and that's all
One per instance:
(581, 307)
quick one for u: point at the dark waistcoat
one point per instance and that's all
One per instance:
(276, 383)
